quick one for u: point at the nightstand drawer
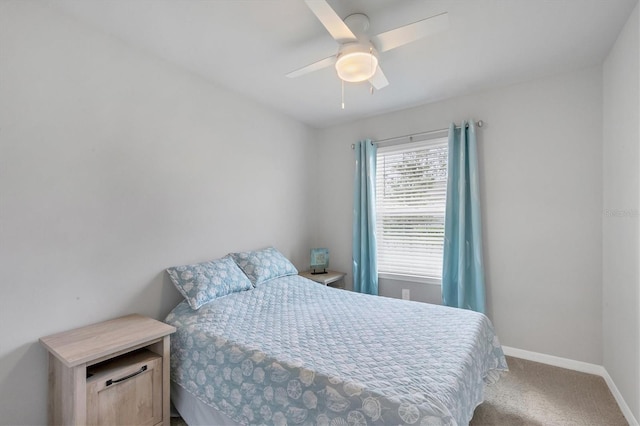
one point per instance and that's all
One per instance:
(125, 390)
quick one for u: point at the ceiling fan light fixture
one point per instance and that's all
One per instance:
(356, 64)
(357, 58)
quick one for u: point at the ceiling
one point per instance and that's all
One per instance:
(249, 45)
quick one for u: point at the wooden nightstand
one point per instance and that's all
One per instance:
(113, 372)
(331, 278)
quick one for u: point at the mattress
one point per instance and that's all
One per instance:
(292, 351)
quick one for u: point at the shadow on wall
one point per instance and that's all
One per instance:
(156, 299)
(24, 370)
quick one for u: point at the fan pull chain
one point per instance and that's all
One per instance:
(342, 93)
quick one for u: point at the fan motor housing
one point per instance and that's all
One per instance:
(358, 23)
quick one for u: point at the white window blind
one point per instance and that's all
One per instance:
(411, 190)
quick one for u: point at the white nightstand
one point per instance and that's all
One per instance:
(331, 278)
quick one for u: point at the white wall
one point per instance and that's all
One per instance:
(621, 236)
(113, 166)
(541, 183)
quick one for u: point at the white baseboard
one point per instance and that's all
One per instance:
(583, 367)
(556, 361)
(618, 396)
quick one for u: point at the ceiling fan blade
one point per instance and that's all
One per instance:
(322, 63)
(412, 32)
(379, 80)
(331, 21)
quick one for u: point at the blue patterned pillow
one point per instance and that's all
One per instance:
(264, 265)
(203, 282)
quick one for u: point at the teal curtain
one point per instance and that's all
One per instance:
(463, 269)
(365, 266)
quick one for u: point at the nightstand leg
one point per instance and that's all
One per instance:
(162, 348)
(67, 393)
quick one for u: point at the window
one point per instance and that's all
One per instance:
(411, 191)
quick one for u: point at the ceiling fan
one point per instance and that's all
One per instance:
(357, 58)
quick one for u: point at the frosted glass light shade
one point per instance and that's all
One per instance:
(356, 66)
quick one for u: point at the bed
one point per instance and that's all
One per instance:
(292, 351)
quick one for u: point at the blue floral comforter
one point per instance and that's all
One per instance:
(292, 351)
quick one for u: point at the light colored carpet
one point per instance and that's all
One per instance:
(538, 394)
(533, 394)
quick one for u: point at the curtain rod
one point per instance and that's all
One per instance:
(480, 123)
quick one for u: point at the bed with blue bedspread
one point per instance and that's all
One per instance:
(292, 351)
